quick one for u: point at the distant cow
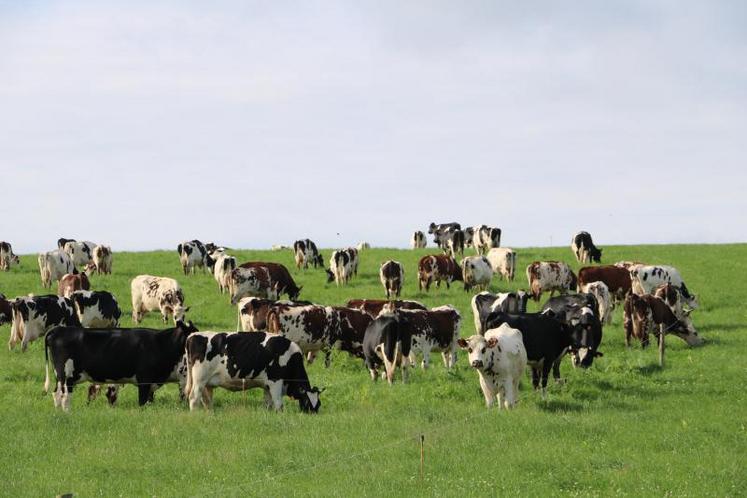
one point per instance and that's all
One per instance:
(500, 360)
(363, 246)
(222, 268)
(605, 303)
(615, 278)
(503, 262)
(544, 276)
(484, 303)
(439, 230)
(452, 242)
(476, 272)
(147, 358)
(151, 293)
(72, 282)
(342, 266)
(392, 276)
(434, 330)
(7, 258)
(98, 309)
(437, 268)
(34, 316)
(584, 249)
(193, 254)
(53, 265)
(262, 279)
(102, 259)
(81, 252)
(374, 306)
(482, 238)
(645, 279)
(306, 253)
(386, 342)
(418, 240)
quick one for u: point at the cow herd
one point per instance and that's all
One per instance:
(84, 343)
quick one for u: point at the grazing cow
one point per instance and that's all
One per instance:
(34, 316)
(388, 342)
(102, 259)
(418, 240)
(437, 268)
(546, 341)
(151, 293)
(579, 313)
(482, 238)
(436, 330)
(253, 312)
(644, 279)
(147, 358)
(392, 276)
(642, 313)
(342, 266)
(484, 303)
(671, 295)
(500, 360)
(237, 362)
(53, 265)
(373, 307)
(81, 252)
(503, 262)
(550, 276)
(351, 329)
(452, 242)
(262, 279)
(73, 282)
(222, 268)
(615, 278)
(193, 254)
(362, 246)
(62, 241)
(97, 309)
(439, 230)
(476, 272)
(6, 311)
(584, 249)
(306, 252)
(7, 258)
(604, 299)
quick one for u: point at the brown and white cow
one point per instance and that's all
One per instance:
(437, 268)
(616, 279)
(392, 276)
(73, 282)
(434, 330)
(102, 259)
(503, 262)
(151, 293)
(7, 258)
(374, 306)
(53, 265)
(262, 279)
(253, 312)
(544, 276)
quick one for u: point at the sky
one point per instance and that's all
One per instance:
(142, 124)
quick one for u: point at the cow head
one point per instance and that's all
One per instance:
(186, 327)
(330, 275)
(308, 399)
(585, 331)
(432, 228)
(685, 330)
(596, 254)
(480, 351)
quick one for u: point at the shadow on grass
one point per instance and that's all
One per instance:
(648, 370)
(560, 406)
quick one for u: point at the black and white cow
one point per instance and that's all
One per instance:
(193, 254)
(222, 268)
(484, 303)
(584, 249)
(452, 242)
(147, 358)
(237, 362)
(580, 312)
(418, 240)
(97, 309)
(81, 252)
(392, 276)
(306, 252)
(482, 238)
(387, 342)
(34, 316)
(54, 265)
(7, 258)
(151, 293)
(433, 330)
(342, 266)
(438, 230)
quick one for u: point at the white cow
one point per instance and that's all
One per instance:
(500, 360)
(645, 279)
(81, 252)
(102, 259)
(503, 262)
(476, 272)
(54, 265)
(362, 246)
(151, 293)
(224, 265)
(604, 300)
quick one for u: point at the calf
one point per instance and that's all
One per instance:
(306, 252)
(392, 276)
(616, 279)
(222, 268)
(151, 293)
(34, 316)
(503, 262)
(436, 330)
(262, 279)
(484, 303)
(584, 249)
(193, 254)
(418, 240)
(645, 279)
(73, 282)
(145, 357)
(437, 268)
(81, 252)
(476, 272)
(373, 307)
(237, 362)
(7, 258)
(387, 342)
(53, 265)
(500, 360)
(102, 259)
(605, 303)
(550, 276)
(97, 309)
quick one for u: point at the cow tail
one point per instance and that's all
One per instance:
(188, 384)
(17, 329)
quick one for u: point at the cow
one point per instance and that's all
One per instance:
(500, 360)
(363, 246)
(436, 330)
(616, 279)
(253, 312)
(73, 282)
(387, 342)
(81, 252)
(147, 358)
(605, 303)
(6, 312)
(580, 313)
(392, 276)
(222, 268)
(418, 240)
(53, 265)
(439, 230)
(569, 305)
(193, 254)
(437, 268)
(62, 241)
(34, 316)
(7, 258)
(644, 279)
(351, 329)
(306, 253)
(628, 265)
(238, 362)
(550, 276)
(151, 293)
(262, 279)
(482, 238)
(546, 341)
(642, 313)
(102, 260)
(584, 249)
(672, 296)
(484, 303)
(476, 272)
(373, 307)
(503, 262)
(342, 266)
(452, 242)
(97, 309)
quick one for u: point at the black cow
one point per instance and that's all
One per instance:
(584, 248)
(581, 313)
(147, 358)
(387, 342)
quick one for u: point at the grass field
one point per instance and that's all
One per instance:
(624, 427)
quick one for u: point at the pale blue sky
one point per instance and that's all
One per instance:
(141, 124)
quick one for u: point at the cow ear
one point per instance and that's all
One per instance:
(462, 343)
(493, 342)
(187, 309)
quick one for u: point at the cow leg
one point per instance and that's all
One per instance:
(487, 391)
(546, 367)
(426, 359)
(661, 345)
(276, 393)
(93, 392)
(67, 393)
(143, 393)
(57, 394)
(405, 368)
(327, 358)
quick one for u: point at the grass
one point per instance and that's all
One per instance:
(624, 427)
